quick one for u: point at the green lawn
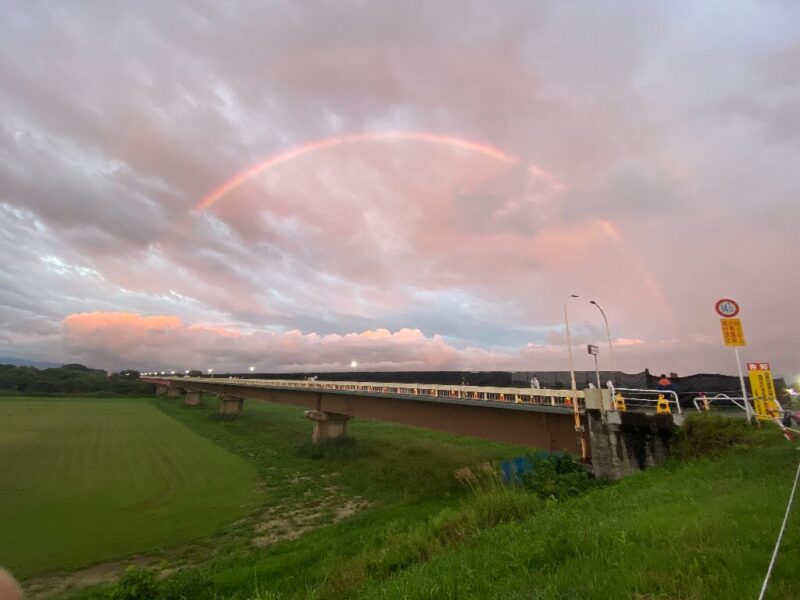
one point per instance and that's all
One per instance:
(701, 529)
(86, 480)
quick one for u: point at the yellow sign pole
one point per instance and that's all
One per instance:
(747, 409)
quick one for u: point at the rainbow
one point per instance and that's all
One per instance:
(322, 144)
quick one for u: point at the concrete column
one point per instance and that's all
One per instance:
(174, 392)
(327, 426)
(230, 406)
(192, 398)
(161, 390)
(623, 443)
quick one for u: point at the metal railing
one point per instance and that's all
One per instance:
(536, 396)
(645, 398)
(703, 403)
(735, 401)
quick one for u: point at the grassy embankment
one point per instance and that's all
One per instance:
(697, 529)
(703, 529)
(92, 470)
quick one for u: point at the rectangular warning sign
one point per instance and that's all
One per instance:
(732, 333)
(765, 402)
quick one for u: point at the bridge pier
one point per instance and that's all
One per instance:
(230, 406)
(327, 425)
(624, 443)
(174, 392)
(192, 398)
(161, 390)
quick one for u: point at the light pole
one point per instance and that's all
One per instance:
(576, 408)
(608, 335)
(569, 342)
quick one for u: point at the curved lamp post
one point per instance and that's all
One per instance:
(608, 335)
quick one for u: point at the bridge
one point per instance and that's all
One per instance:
(581, 422)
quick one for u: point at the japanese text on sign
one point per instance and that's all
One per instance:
(765, 401)
(732, 333)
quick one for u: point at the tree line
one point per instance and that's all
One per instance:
(71, 379)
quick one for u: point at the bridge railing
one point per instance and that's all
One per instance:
(544, 397)
(648, 399)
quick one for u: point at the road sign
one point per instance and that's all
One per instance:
(732, 333)
(726, 308)
(765, 401)
(592, 349)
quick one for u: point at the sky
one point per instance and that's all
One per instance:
(408, 185)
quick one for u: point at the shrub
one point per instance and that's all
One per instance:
(136, 584)
(711, 435)
(557, 475)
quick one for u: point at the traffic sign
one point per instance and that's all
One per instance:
(592, 349)
(758, 367)
(726, 308)
(732, 333)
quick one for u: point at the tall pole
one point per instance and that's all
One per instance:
(569, 343)
(608, 335)
(576, 408)
(597, 372)
(747, 409)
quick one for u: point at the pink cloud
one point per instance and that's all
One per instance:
(628, 342)
(114, 340)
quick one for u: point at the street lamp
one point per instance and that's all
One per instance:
(569, 342)
(608, 335)
(576, 409)
(210, 371)
(252, 369)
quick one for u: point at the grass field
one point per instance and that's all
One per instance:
(696, 530)
(88, 480)
(398, 476)
(701, 530)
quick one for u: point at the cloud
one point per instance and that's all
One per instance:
(675, 148)
(113, 340)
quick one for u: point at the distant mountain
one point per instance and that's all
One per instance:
(27, 362)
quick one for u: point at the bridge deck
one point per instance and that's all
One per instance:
(525, 416)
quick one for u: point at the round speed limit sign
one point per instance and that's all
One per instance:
(727, 308)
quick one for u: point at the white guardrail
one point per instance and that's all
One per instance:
(543, 397)
(704, 403)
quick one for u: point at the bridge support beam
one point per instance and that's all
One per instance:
(327, 425)
(174, 392)
(192, 398)
(161, 390)
(230, 406)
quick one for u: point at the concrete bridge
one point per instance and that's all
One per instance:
(583, 422)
